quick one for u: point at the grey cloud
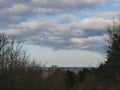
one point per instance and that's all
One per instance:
(72, 35)
(67, 4)
(63, 32)
(4, 3)
(67, 18)
(108, 14)
(14, 11)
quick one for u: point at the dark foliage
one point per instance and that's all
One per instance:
(70, 79)
(110, 70)
(113, 48)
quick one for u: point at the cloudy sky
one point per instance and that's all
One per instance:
(60, 32)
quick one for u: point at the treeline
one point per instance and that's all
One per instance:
(18, 73)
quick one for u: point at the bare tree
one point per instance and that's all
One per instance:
(12, 56)
(13, 60)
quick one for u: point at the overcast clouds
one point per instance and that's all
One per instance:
(60, 24)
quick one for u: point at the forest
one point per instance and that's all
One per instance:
(18, 73)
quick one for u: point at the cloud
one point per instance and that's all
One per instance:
(93, 24)
(75, 34)
(60, 24)
(17, 9)
(116, 4)
(108, 14)
(67, 18)
(89, 42)
(10, 31)
(14, 11)
(67, 4)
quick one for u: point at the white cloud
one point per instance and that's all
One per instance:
(89, 39)
(77, 41)
(10, 31)
(107, 14)
(92, 24)
(18, 9)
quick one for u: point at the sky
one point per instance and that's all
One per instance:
(60, 32)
